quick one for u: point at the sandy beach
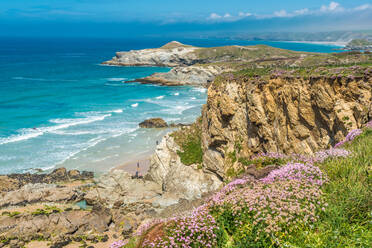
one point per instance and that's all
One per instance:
(131, 167)
(332, 43)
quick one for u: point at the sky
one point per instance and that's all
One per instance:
(168, 17)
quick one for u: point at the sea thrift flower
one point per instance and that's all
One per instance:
(297, 171)
(350, 137)
(118, 244)
(196, 230)
(369, 124)
(330, 153)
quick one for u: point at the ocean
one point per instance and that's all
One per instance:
(60, 107)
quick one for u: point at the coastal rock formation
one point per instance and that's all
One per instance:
(197, 65)
(117, 188)
(189, 182)
(200, 75)
(56, 225)
(159, 123)
(16, 181)
(153, 123)
(46, 193)
(171, 54)
(286, 114)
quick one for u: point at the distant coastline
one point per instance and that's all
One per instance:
(331, 43)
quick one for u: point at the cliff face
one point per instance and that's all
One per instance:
(188, 182)
(246, 115)
(172, 54)
(191, 75)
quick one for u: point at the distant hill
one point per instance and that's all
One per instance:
(359, 44)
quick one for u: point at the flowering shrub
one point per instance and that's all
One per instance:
(318, 157)
(369, 124)
(350, 137)
(330, 153)
(270, 212)
(118, 244)
(297, 171)
(267, 210)
(196, 230)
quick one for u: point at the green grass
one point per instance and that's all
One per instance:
(189, 140)
(262, 162)
(348, 218)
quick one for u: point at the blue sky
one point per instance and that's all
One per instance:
(103, 17)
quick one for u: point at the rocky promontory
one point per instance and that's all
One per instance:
(196, 65)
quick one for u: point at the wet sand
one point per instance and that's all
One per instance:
(131, 167)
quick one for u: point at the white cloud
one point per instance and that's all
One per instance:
(281, 13)
(301, 11)
(215, 16)
(242, 14)
(333, 6)
(364, 7)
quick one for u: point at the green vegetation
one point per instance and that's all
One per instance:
(347, 221)
(189, 140)
(359, 43)
(239, 53)
(11, 214)
(262, 162)
(304, 205)
(46, 211)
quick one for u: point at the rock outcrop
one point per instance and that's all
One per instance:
(153, 123)
(188, 182)
(200, 75)
(288, 114)
(16, 181)
(159, 123)
(37, 193)
(171, 54)
(197, 65)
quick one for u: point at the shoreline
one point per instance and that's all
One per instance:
(331, 43)
(131, 166)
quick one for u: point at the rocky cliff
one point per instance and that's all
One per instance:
(198, 65)
(171, 54)
(282, 111)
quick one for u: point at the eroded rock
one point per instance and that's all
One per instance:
(245, 116)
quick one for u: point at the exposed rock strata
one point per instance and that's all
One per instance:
(16, 181)
(190, 75)
(172, 54)
(46, 193)
(244, 116)
(167, 170)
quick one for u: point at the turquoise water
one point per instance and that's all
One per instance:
(60, 107)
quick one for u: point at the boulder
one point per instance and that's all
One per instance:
(153, 123)
(117, 188)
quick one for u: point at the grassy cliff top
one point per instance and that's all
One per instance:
(348, 64)
(244, 53)
(359, 42)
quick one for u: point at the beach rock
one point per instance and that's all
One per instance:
(153, 123)
(16, 181)
(28, 227)
(182, 181)
(119, 187)
(32, 193)
(245, 116)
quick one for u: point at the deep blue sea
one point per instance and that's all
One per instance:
(60, 107)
